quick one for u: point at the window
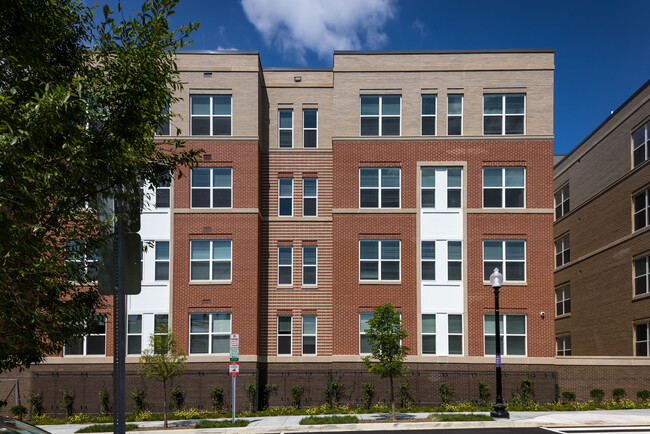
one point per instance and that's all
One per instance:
(134, 334)
(428, 334)
(503, 114)
(642, 210)
(503, 187)
(85, 264)
(428, 187)
(379, 187)
(309, 334)
(92, 345)
(209, 333)
(309, 265)
(561, 201)
(563, 300)
(310, 128)
(284, 335)
(454, 260)
(641, 144)
(379, 259)
(563, 345)
(210, 260)
(508, 256)
(285, 197)
(364, 345)
(428, 115)
(428, 260)
(212, 188)
(285, 128)
(451, 177)
(455, 334)
(642, 339)
(285, 265)
(642, 276)
(513, 336)
(211, 115)
(562, 251)
(380, 115)
(309, 197)
(454, 115)
(163, 195)
(164, 129)
(162, 260)
(160, 327)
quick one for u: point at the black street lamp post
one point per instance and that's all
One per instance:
(499, 409)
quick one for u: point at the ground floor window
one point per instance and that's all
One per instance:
(563, 345)
(209, 333)
(642, 339)
(92, 345)
(513, 334)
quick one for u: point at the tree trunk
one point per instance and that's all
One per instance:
(164, 404)
(392, 399)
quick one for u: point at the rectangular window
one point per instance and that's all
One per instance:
(165, 128)
(642, 339)
(641, 144)
(285, 265)
(449, 176)
(454, 260)
(92, 345)
(561, 201)
(503, 187)
(455, 334)
(379, 187)
(503, 114)
(428, 115)
(428, 187)
(211, 115)
(364, 345)
(563, 345)
(562, 251)
(309, 335)
(309, 265)
(310, 128)
(513, 335)
(455, 115)
(284, 335)
(285, 128)
(642, 209)
(163, 195)
(309, 197)
(211, 260)
(428, 334)
(162, 260)
(428, 260)
(134, 334)
(508, 256)
(211, 187)
(285, 197)
(380, 115)
(563, 300)
(160, 327)
(210, 333)
(642, 276)
(379, 260)
(84, 263)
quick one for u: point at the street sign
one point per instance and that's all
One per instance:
(234, 340)
(234, 354)
(233, 369)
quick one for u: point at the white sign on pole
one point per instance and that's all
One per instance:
(234, 340)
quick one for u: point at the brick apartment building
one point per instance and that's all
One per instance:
(602, 237)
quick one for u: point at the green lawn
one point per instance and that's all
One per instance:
(462, 417)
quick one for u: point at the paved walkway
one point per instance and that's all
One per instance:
(280, 424)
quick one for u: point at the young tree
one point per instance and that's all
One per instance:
(80, 103)
(162, 361)
(385, 334)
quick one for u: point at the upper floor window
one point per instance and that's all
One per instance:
(164, 129)
(563, 300)
(454, 260)
(309, 128)
(309, 265)
(94, 344)
(209, 333)
(642, 339)
(563, 345)
(211, 187)
(379, 187)
(641, 144)
(503, 187)
(211, 115)
(642, 209)
(561, 198)
(455, 115)
(379, 259)
(508, 256)
(513, 335)
(162, 260)
(309, 334)
(284, 335)
(642, 276)
(448, 182)
(562, 251)
(285, 265)
(285, 197)
(210, 260)
(429, 115)
(285, 128)
(503, 114)
(309, 197)
(428, 260)
(380, 115)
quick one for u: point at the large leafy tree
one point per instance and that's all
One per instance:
(385, 335)
(80, 100)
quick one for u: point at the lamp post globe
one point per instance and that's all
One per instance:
(499, 408)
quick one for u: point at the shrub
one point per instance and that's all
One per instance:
(597, 395)
(315, 420)
(105, 428)
(368, 394)
(568, 397)
(35, 401)
(296, 395)
(446, 392)
(67, 403)
(178, 397)
(483, 393)
(18, 411)
(250, 391)
(404, 395)
(268, 389)
(221, 423)
(216, 397)
(643, 395)
(526, 389)
(618, 394)
(333, 392)
(104, 401)
(138, 400)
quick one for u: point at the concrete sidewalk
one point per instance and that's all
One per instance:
(280, 424)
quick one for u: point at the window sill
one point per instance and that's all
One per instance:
(566, 315)
(641, 297)
(380, 282)
(210, 282)
(522, 283)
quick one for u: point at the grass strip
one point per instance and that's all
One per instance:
(462, 417)
(221, 424)
(328, 420)
(105, 427)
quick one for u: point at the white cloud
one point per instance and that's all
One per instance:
(295, 26)
(220, 48)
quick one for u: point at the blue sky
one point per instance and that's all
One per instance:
(602, 48)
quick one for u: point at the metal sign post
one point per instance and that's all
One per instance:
(233, 368)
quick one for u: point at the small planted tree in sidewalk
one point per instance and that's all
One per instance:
(385, 335)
